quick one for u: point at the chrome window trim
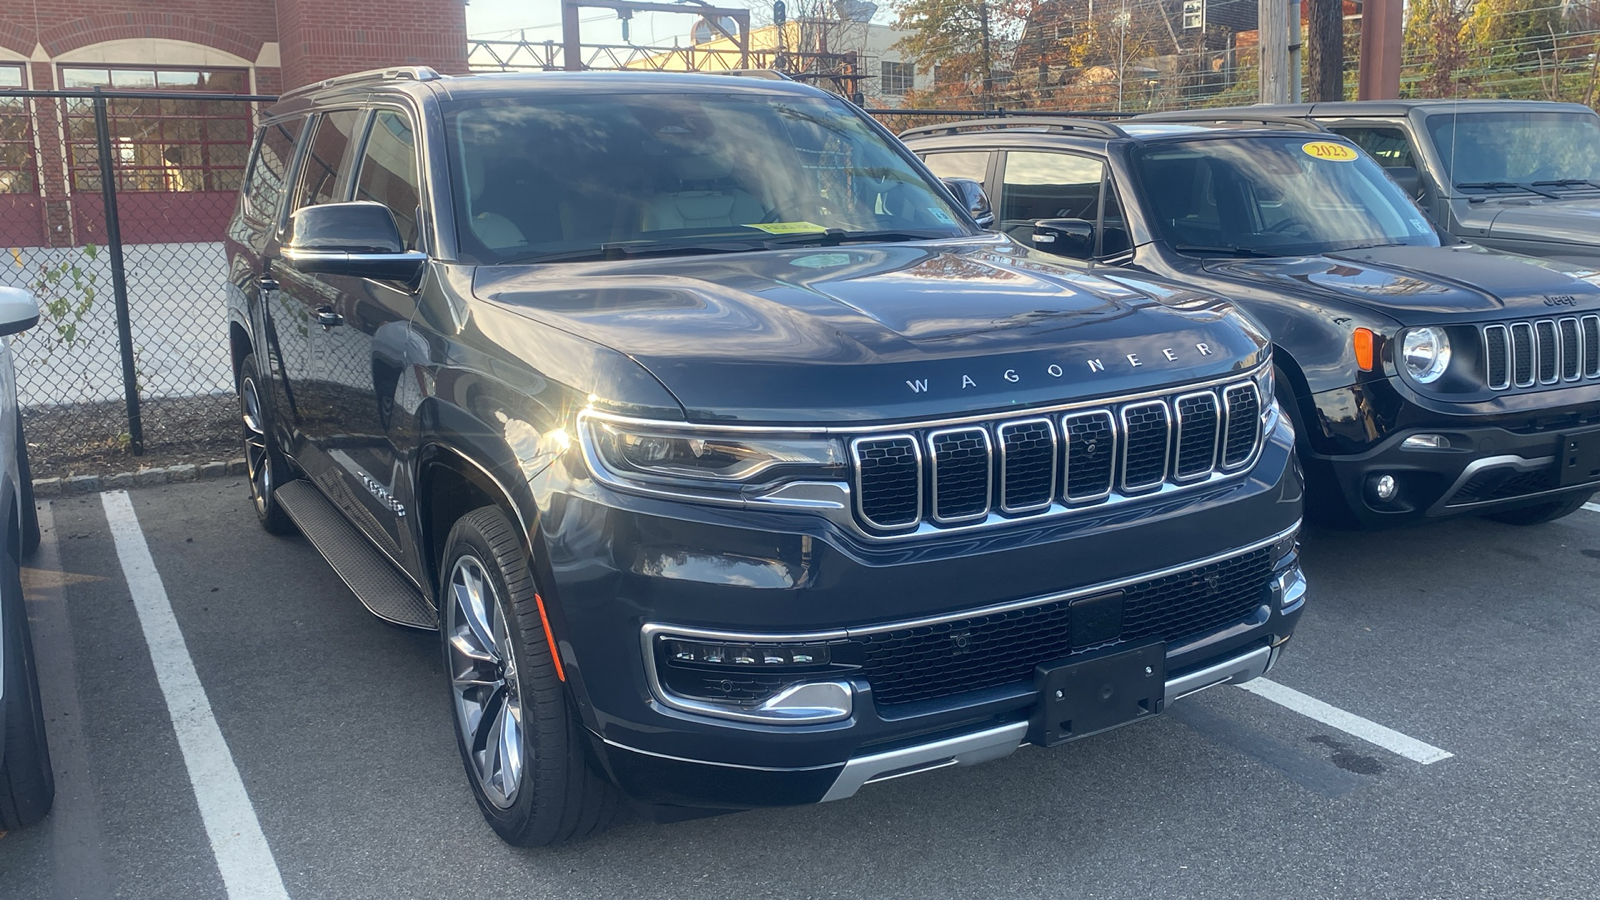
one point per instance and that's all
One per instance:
(855, 477)
(1055, 463)
(1227, 421)
(933, 472)
(1533, 355)
(1066, 465)
(1561, 342)
(1127, 441)
(1538, 354)
(840, 634)
(898, 427)
(1505, 341)
(1591, 363)
(1177, 436)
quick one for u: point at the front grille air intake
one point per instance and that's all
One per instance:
(1541, 352)
(1013, 467)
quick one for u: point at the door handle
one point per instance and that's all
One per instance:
(327, 318)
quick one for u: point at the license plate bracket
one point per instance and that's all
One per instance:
(1579, 460)
(1097, 693)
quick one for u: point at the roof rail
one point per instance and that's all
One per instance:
(1201, 117)
(767, 74)
(999, 113)
(1085, 126)
(396, 73)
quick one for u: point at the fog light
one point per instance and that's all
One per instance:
(1425, 442)
(747, 656)
(1385, 487)
(781, 682)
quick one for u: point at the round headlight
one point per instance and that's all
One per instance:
(1426, 352)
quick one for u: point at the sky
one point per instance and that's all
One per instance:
(540, 20)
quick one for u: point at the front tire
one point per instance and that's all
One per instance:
(264, 464)
(519, 741)
(1544, 512)
(27, 783)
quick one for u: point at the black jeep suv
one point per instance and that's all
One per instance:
(735, 464)
(1425, 377)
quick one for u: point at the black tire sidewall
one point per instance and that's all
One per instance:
(538, 815)
(272, 515)
(27, 782)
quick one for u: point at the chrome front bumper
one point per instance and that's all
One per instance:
(1000, 741)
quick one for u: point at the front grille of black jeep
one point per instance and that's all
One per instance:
(940, 660)
(1541, 352)
(1023, 466)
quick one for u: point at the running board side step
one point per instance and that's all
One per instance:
(380, 587)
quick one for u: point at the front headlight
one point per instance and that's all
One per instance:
(1426, 353)
(666, 454)
(1266, 385)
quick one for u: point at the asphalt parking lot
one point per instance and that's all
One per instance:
(1467, 638)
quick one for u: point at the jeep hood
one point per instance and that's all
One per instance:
(1419, 285)
(1567, 221)
(879, 332)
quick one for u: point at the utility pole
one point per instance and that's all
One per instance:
(1273, 20)
(1381, 33)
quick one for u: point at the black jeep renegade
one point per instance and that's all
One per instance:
(736, 465)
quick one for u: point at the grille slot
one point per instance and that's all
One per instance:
(1497, 356)
(960, 459)
(1591, 346)
(1549, 355)
(1028, 460)
(1571, 350)
(1146, 442)
(1091, 454)
(888, 480)
(1243, 430)
(940, 660)
(1199, 425)
(1522, 354)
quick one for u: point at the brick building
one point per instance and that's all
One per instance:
(179, 161)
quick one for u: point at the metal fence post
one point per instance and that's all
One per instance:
(119, 281)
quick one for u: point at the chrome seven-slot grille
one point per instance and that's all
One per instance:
(1030, 464)
(1541, 352)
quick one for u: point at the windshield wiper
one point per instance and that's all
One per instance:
(1367, 246)
(833, 237)
(1225, 251)
(1568, 182)
(1502, 185)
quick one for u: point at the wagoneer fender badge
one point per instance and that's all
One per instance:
(1054, 370)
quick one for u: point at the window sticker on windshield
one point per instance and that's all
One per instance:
(1329, 150)
(788, 227)
(822, 260)
(940, 215)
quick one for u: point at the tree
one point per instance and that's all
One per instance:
(958, 36)
(1325, 50)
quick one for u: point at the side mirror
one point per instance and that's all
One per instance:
(1065, 237)
(970, 195)
(358, 239)
(18, 310)
(1408, 178)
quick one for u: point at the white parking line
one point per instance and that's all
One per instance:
(1349, 723)
(1592, 507)
(248, 869)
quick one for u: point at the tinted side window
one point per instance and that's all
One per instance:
(959, 165)
(1388, 146)
(1047, 186)
(319, 175)
(389, 171)
(269, 170)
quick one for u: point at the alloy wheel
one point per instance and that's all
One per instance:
(257, 462)
(483, 682)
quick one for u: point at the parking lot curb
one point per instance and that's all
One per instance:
(148, 476)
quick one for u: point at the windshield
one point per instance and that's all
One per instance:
(1501, 151)
(600, 175)
(1273, 196)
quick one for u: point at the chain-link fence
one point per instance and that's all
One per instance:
(113, 208)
